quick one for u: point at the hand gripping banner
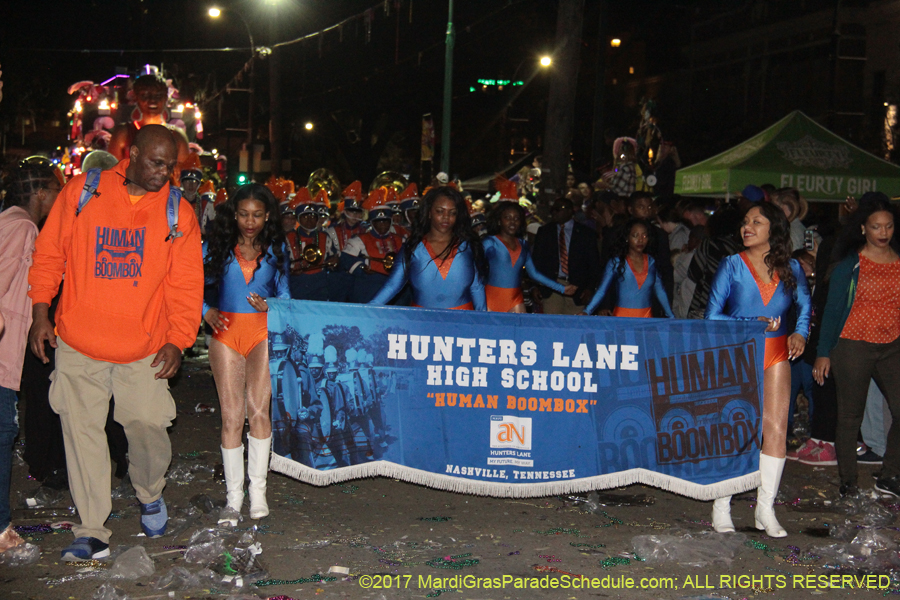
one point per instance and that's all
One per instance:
(514, 405)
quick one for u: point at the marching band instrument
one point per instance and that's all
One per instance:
(324, 179)
(389, 179)
(313, 255)
(387, 261)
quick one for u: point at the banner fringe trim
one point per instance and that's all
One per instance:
(728, 487)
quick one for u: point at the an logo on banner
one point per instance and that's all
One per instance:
(705, 403)
(510, 432)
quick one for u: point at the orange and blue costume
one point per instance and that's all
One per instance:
(738, 293)
(634, 291)
(247, 327)
(504, 284)
(453, 282)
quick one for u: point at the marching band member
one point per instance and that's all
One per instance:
(308, 275)
(191, 178)
(323, 204)
(370, 256)
(479, 224)
(392, 200)
(409, 205)
(350, 223)
(207, 193)
(340, 281)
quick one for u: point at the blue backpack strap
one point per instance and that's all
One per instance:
(89, 190)
(172, 206)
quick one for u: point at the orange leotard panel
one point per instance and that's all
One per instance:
(642, 276)
(247, 266)
(776, 350)
(503, 299)
(766, 290)
(637, 313)
(245, 331)
(466, 306)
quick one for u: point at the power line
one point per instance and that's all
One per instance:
(129, 51)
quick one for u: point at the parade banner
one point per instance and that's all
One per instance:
(513, 405)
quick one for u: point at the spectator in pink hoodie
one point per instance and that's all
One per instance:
(32, 191)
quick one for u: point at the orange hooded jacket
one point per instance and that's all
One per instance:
(128, 291)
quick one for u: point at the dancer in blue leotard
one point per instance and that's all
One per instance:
(762, 283)
(634, 274)
(507, 253)
(443, 260)
(243, 258)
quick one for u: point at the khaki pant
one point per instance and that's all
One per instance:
(80, 391)
(557, 304)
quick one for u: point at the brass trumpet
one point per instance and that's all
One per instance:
(387, 262)
(313, 255)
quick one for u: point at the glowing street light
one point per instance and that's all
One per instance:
(615, 42)
(546, 61)
(215, 12)
(308, 126)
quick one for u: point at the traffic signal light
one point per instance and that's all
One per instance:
(242, 179)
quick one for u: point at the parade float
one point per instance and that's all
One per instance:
(105, 116)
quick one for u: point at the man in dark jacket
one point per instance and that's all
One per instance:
(567, 251)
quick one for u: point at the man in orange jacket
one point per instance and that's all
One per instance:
(131, 303)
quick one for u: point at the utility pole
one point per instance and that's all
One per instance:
(448, 92)
(598, 143)
(250, 93)
(561, 104)
(834, 58)
(274, 95)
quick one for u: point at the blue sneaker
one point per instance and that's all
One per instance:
(154, 518)
(85, 548)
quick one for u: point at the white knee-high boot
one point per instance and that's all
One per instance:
(770, 469)
(721, 515)
(233, 461)
(258, 470)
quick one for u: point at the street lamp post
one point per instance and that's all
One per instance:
(448, 93)
(274, 94)
(215, 12)
(544, 63)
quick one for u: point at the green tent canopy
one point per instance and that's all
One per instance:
(794, 152)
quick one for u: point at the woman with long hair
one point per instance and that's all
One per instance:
(762, 283)
(860, 334)
(443, 259)
(244, 259)
(635, 275)
(508, 253)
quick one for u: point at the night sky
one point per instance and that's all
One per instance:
(365, 93)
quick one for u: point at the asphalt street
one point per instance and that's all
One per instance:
(383, 538)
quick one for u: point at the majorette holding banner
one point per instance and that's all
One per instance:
(514, 405)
